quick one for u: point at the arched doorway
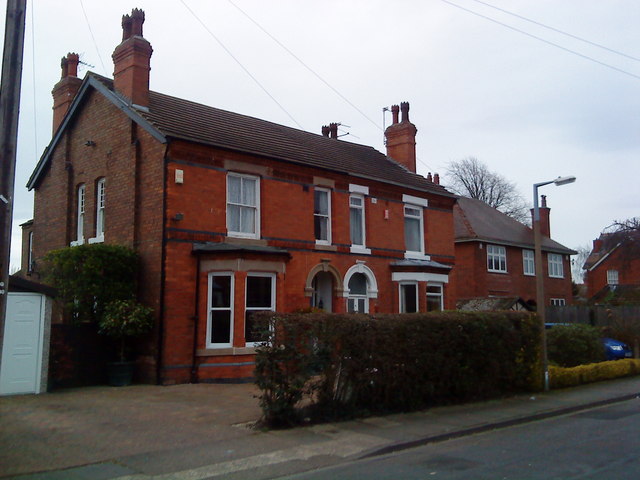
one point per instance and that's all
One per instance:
(323, 285)
(361, 286)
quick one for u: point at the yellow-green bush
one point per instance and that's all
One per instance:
(593, 372)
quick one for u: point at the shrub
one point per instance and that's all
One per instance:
(125, 319)
(329, 366)
(569, 377)
(88, 277)
(576, 344)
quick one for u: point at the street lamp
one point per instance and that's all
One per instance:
(537, 238)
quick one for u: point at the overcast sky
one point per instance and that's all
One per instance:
(530, 110)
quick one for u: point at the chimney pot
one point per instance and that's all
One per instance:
(404, 108)
(436, 178)
(325, 130)
(333, 129)
(65, 90)
(401, 138)
(394, 112)
(429, 177)
(132, 61)
(544, 201)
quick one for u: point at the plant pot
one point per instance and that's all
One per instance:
(120, 374)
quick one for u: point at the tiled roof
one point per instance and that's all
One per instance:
(182, 119)
(474, 220)
(489, 304)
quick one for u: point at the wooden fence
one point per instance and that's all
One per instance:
(598, 315)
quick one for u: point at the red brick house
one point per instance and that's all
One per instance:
(495, 257)
(231, 214)
(612, 269)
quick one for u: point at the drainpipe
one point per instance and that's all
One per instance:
(194, 368)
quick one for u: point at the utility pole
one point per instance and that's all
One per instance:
(9, 111)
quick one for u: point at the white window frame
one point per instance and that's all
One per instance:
(326, 217)
(613, 277)
(556, 269)
(558, 302)
(30, 253)
(80, 210)
(413, 216)
(256, 207)
(497, 253)
(439, 295)
(100, 202)
(357, 247)
(211, 309)
(272, 308)
(402, 300)
(529, 262)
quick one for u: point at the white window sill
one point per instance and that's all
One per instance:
(360, 249)
(99, 239)
(497, 271)
(416, 256)
(250, 236)
(220, 351)
(75, 243)
(555, 276)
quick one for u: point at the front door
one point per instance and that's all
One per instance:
(22, 349)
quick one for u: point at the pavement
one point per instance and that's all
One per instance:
(206, 431)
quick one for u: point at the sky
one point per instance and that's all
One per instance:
(495, 80)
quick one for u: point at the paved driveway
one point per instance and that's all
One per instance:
(81, 426)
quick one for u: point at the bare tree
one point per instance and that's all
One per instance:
(624, 233)
(577, 262)
(470, 177)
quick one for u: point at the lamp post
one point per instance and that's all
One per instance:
(537, 238)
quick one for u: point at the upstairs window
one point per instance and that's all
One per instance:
(413, 229)
(79, 216)
(30, 257)
(356, 220)
(100, 190)
(555, 265)
(322, 216)
(558, 302)
(496, 258)
(528, 262)
(243, 206)
(612, 277)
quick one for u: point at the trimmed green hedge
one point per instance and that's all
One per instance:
(594, 372)
(330, 366)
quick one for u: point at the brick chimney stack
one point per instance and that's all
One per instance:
(65, 90)
(131, 60)
(401, 137)
(545, 222)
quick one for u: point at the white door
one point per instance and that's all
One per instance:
(22, 349)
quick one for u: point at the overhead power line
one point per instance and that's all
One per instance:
(240, 64)
(557, 30)
(95, 44)
(317, 75)
(586, 57)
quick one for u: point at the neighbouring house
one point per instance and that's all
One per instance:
(232, 214)
(612, 269)
(495, 258)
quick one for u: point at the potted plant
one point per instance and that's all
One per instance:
(123, 320)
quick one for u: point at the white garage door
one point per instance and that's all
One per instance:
(22, 349)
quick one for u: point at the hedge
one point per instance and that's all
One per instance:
(594, 372)
(329, 366)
